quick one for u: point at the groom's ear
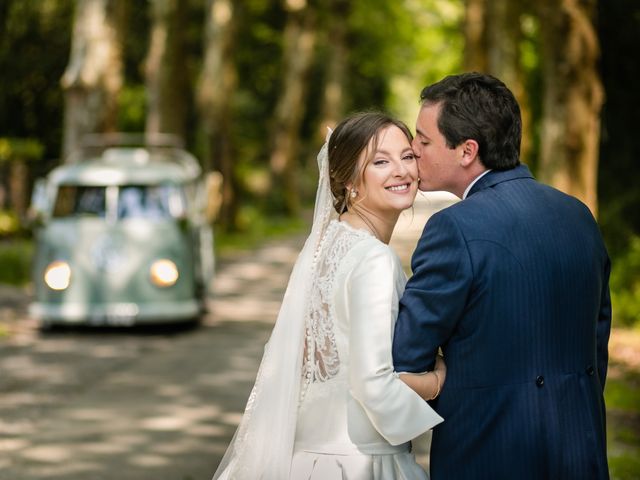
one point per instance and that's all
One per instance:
(469, 152)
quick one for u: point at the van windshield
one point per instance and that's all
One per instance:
(154, 202)
(150, 202)
(75, 200)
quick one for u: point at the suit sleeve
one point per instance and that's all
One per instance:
(604, 327)
(435, 296)
(396, 411)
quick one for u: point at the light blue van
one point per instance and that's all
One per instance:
(123, 238)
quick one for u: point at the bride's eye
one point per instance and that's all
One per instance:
(380, 161)
(409, 156)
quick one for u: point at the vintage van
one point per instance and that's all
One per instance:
(123, 237)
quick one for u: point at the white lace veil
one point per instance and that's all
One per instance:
(262, 446)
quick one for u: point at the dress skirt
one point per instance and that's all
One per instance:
(308, 465)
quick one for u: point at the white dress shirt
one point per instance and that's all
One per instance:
(466, 192)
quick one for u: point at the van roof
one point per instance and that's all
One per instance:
(140, 166)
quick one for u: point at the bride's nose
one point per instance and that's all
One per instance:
(401, 169)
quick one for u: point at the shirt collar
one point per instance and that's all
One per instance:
(466, 192)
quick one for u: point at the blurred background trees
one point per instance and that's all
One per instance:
(251, 85)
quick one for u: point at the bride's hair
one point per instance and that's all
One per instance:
(351, 137)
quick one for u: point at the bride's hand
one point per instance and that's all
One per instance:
(441, 369)
(429, 384)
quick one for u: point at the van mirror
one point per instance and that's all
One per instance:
(213, 186)
(40, 205)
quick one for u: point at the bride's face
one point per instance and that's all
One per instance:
(390, 178)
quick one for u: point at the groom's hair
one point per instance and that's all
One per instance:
(479, 107)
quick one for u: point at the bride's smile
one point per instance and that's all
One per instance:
(388, 183)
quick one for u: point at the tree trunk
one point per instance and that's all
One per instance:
(573, 97)
(475, 47)
(93, 77)
(218, 82)
(493, 35)
(337, 63)
(503, 39)
(166, 78)
(18, 186)
(299, 43)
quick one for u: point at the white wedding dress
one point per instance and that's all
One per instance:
(326, 404)
(356, 417)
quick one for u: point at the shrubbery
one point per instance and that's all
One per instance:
(9, 223)
(625, 285)
(15, 261)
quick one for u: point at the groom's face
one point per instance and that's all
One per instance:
(438, 165)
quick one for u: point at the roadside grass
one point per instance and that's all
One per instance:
(15, 261)
(622, 397)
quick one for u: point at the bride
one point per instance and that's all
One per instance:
(327, 403)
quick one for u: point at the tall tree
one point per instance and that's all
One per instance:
(619, 172)
(333, 101)
(573, 97)
(217, 85)
(299, 47)
(166, 76)
(475, 26)
(493, 36)
(93, 77)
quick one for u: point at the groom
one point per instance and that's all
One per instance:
(512, 284)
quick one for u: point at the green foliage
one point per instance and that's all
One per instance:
(533, 85)
(395, 49)
(24, 149)
(131, 111)
(9, 223)
(431, 44)
(624, 466)
(625, 285)
(622, 393)
(258, 58)
(15, 261)
(255, 228)
(34, 49)
(618, 173)
(622, 397)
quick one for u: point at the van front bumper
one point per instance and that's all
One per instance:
(116, 314)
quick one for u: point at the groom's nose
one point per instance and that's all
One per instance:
(415, 146)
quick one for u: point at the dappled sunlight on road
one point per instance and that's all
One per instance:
(170, 417)
(251, 288)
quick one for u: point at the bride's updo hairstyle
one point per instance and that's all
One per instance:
(351, 137)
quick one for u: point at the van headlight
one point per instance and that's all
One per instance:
(164, 273)
(57, 275)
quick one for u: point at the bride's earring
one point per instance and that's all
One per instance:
(354, 193)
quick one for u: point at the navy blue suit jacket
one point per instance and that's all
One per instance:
(512, 284)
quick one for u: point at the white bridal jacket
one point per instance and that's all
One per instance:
(356, 417)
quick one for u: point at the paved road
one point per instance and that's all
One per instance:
(146, 404)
